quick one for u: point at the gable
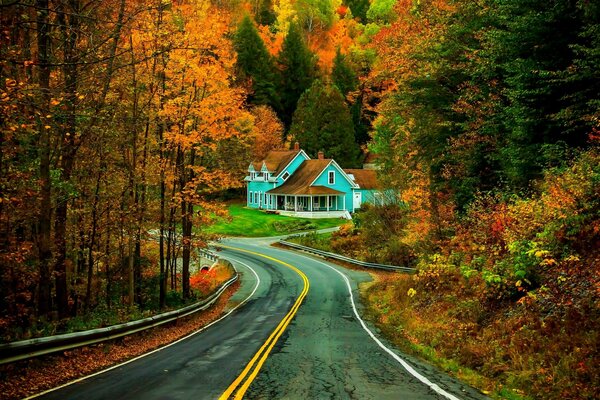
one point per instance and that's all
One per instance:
(322, 178)
(292, 166)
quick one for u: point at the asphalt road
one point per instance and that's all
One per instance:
(326, 351)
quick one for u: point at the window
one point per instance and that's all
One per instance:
(250, 198)
(332, 177)
(285, 175)
(255, 197)
(266, 176)
(330, 198)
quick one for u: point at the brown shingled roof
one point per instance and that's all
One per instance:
(299, 182)
(365, 178)
(276, 160)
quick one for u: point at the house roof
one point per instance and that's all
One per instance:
(276, 160)
(365, 178)
(299, 182)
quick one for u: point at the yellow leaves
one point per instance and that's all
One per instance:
(572, 258)
(548, 262)
(411, 293)
(541, 253)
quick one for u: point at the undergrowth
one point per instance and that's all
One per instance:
(509, 301)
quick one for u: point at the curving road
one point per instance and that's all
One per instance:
(278, 344)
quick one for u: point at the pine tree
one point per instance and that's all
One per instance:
(322, 121)
(254, 63)
(343, 75)
(532, 53)
(298, 70)
(359, 8)
(265, 14)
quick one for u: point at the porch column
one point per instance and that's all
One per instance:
(327, 203)
(344, 203)
(285, 202)
(310, 205)
(296, 203)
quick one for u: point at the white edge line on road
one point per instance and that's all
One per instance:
(405, 364)
(160, 348)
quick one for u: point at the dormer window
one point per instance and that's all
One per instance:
(285, 175)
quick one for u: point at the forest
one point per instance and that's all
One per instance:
(125, 126)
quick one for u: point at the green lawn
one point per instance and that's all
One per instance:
(255, 223)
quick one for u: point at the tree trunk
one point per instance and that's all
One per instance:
(45, 220)
(69, 147)
(92, 242)
(187, 209)
(107, 264)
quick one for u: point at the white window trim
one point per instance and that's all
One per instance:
(285, 175)
(331, 177)
(251, 198)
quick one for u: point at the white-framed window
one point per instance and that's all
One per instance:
(285, 175)
(331, 177)
(330, 201)
(250, 197)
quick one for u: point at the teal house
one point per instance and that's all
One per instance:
(289, 182)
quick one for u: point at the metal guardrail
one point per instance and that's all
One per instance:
(346, 259)
(24, 349)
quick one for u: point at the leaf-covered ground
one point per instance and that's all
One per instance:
(33, 376)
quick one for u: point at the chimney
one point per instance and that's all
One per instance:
(296, 146)
(320, 155)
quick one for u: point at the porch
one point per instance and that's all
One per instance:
(307, 206)
(316, 214)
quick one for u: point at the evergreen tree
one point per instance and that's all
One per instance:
(298, 70)
(254, 63)
(322, 121)
(265, 14)
(361, 121)
(359, 8)
(343, 75)
(545, 88)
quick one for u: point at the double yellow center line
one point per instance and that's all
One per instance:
(243, 381)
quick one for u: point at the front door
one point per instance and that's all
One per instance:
(357, 200)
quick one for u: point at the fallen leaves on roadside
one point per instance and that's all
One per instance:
(25, 378)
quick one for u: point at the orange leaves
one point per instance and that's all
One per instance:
(273, 41)
(412, 31)
(268, 131)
